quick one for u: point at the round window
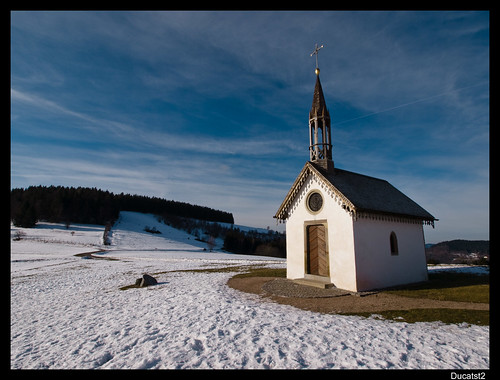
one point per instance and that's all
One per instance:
(315, 202)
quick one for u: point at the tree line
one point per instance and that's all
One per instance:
(253, 242)
(95, 206)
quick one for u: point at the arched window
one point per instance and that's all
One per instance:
(394, 244)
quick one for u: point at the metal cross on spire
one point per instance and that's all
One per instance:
(315, 52)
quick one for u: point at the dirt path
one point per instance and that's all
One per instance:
(90, 255)
(348, 303)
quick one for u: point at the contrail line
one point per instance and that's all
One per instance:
(410, 103)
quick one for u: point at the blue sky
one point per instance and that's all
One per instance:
(212, 108)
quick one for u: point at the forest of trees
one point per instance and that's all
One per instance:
(95, 206)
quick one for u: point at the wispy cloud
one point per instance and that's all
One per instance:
(200, 180)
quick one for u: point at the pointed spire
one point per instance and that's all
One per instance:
(318, 108)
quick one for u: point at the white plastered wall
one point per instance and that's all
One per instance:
(375, 266)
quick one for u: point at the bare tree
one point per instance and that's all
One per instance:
(211, 243)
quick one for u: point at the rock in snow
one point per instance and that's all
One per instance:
(146, 280)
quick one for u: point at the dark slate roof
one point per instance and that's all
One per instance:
(369, 194)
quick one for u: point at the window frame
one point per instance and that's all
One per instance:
(393, 242)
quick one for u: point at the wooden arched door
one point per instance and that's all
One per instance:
(317, 251)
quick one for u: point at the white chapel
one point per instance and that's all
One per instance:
(346, 229)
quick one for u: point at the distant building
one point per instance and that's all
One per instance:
(346, 229)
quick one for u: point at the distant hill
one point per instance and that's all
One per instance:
(459, 252)
(95, 206)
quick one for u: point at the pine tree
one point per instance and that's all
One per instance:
(26, 215)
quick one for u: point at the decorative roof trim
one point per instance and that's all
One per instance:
(308, 169)
(392, 218)
(345, 203)
(283, 211)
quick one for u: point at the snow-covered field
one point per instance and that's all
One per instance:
(68, 311)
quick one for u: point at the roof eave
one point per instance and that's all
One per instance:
(363, 213)
(282, 213)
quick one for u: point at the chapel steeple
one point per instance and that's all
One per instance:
(320, 135)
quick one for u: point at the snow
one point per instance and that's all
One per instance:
(67, 312)
(51, 244)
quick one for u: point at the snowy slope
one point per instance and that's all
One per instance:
(70, 313)
(52, 244)
(128, 239)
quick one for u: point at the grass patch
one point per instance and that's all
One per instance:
(210, 270)
(236, 268)
(133, 286)
(204, 270)
(473, 317)
(449, 286)
(262, 272)
(256, 270)
(90, 255)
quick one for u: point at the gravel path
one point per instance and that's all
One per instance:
(287, 288)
